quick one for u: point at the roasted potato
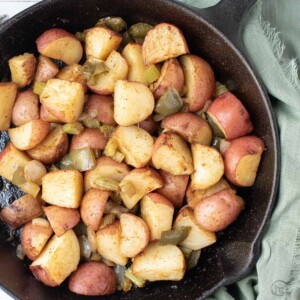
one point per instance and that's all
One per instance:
(46, 69)
(34, 237)
(58, 260)
(47, 116)
(59, 44)
(21, 211)
(34, 171)
(93, 279)
(149, 125)
(63, 188)
(8, 92)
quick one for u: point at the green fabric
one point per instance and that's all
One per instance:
(272, 39)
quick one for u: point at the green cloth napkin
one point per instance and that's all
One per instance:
(272, 38)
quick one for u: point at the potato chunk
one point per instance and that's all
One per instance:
(63, 99)
(46, 69)
(63, 188)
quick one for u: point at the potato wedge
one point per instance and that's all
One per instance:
(59, 44)
(174, 187)
(199, 81)
(108, 243)
(29, 135)
(172, 154)
(63, 188)
(52, 148)
(208, 165)
(157, 212)
(93, 279)
(63, 99)
(21, 211)
(137, 183)
(162, 42)
(101, 41)
(134, 57)
(22, 69)
(171, 75)
(10, 158)
(105, 82)
(26, 108)
(133, 102)
(8, 93)
(135, 143)
(34, 237)
(198, 237)
(61, 219)
(134, 235)
(106, 167)
(93, 207)
(46, 69)
(189, 126)
(58, 260)
(159, 263)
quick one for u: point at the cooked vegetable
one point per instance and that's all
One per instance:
(73, 128)
(107, 220)
(114, 208)
(152, 73)
(20, 252)
(220, 89)
(107, 184)
(138, 31)
(46, 69)
(175, 236)
(193, 259)
(115, 23)
(93, 67)
(124, 284)
(34, 171)
(137, 281)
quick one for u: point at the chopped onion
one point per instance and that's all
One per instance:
(20, 252)
(34, 171)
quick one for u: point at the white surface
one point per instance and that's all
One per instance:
(11, 8)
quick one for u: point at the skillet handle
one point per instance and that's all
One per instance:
(227, 16)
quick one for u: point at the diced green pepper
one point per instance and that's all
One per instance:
(169, 103)
(114, 23)
(175, 236)
(73, 128)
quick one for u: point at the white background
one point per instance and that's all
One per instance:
(11, 8)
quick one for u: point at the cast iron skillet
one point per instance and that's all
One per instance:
(236, 251)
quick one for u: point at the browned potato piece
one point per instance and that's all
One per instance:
(171, 75)
(93, 279)
(8, 92)
(63, 188)
(149, 125)
(22, 69)
(101, 107)
(58, 260)
(162, 42)
(89, 137)
(46, 69)
(9, 158)
(62, 219)
(191, 127)
(29, 135)
(199, 81)
(26, 108)
(34, 237)
(52, 148)
(195, 196)
(172, 154)
(106, 167)
(47, 116)
(219, 210)
(174, 187)
(93, 207)
(21, 211)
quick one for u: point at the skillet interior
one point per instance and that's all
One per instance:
(237, 248)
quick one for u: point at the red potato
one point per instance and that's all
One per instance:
(26, 108)
(191, 127)
(21, 211)
(46, 69)
(45, 115)
(62, 219)
(230, 116)
(93, 207)
(89, 137)
(93, 279)
(199, 81)
(149, 125)
(101, 108)
(219, 210)
(173, 187)
(242, 160)
(171, 75)
(162, 42)
(59, 44)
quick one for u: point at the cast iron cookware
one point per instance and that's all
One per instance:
(237, 248)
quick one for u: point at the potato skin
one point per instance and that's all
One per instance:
(26, 108)
(92, 207)
(149, 125)
(93, 279)
(21, 211)
(219, 210)
(46, 69)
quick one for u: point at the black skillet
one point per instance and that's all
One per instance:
(237, 249)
